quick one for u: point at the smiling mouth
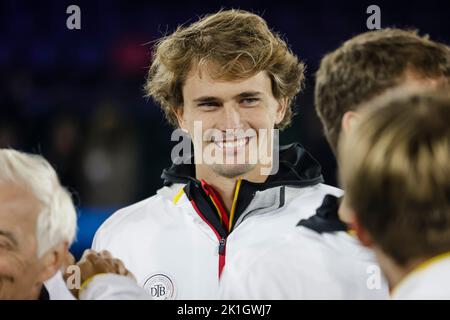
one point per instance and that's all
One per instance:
(232, 146)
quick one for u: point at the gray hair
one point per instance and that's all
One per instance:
(57, 220)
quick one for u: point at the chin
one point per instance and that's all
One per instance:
(232, 170)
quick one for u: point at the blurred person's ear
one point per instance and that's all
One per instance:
(361, 232)
(345, 213)
(52, 261)
(349, 119)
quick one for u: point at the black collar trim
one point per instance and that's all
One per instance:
(195, 193)
(326, 219)
(44, 295)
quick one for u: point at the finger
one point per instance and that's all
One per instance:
(131, 275)
(86, 270)
(85, 266)
(120, 267)
(106, 254)
(88, 252)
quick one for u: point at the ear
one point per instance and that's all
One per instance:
(179, 114)
(349, 119)
(345, 213)
(281, 110)
(52, 261)
(362, 234)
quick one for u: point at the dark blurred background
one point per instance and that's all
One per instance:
(76, 97)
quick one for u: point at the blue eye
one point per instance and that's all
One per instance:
(250, 101)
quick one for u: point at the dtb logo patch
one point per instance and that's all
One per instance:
(160, 287)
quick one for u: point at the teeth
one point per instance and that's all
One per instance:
(231, 144)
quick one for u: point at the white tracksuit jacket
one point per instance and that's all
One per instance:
(172, 246)
(317, 260)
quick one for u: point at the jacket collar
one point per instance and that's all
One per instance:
(297, 168)
(326, 218)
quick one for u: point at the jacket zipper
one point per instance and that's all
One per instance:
(222, 240)
(222, 253)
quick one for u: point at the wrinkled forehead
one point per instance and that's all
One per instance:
(19, 210)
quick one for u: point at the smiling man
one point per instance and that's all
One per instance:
(228, 82)
(232, 119)
(236, 125)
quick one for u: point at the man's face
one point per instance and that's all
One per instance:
(233, 115)
(19, 265)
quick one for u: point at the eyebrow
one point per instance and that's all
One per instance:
(206, 99)
(10, 236)
(246, 94)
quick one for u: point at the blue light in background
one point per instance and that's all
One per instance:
(89, 220)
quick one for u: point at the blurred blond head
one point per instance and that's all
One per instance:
(395, 168)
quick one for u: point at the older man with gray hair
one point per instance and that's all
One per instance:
(37, 225)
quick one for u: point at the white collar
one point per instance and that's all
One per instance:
(429, 280)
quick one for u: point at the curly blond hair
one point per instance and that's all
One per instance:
(236, 44)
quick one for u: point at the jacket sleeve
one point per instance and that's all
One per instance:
(113, 287)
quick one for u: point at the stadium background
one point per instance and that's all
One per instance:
(76, 96)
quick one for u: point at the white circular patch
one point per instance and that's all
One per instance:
(160, 287)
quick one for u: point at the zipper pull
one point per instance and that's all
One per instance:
(222, 244)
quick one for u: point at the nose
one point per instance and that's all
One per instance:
(231, 117)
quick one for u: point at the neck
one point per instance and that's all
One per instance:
(394, 272)
(225, 186)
